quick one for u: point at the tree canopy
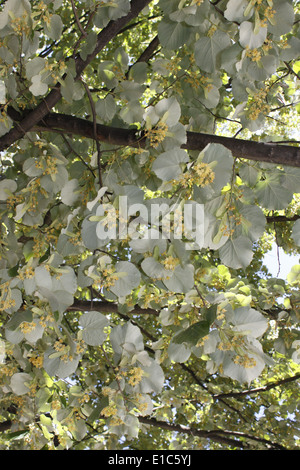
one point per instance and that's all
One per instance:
(149, 160)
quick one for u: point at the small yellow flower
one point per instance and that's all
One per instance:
(157, 134)
(109, 411)
(27, 327)
(136, 375)
(170, 263)
(37, 361)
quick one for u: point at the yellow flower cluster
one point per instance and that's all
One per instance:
(80, 346)
(61, 347)
(212, 30)
(7, 303)
(200, 174)
(119, 74)
(116, 421)
(245, 361)
(155, 296)
(269, 12)
(203, 174)
(107, 391)
(141, 406)
(225, 346)
(56, 70)
(27, 273)
(37, 361)
(170, 263)
(109, 411)
(258, 105)
(47, 165)
(27, 327)
(267, 45)
(7, 370)
(43, 13)
(173, 65)
(56, 404)
(195, 79)
(253, 54)
(136, 375)
(108, 278)
(76, 239)
(157, 134)
(20, 25)
(85, 398)
(35, 189)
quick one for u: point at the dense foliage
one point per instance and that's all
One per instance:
(149, 160)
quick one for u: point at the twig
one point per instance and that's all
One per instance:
(77, 155)
(95, 131)
(259, 389)
(83, 32)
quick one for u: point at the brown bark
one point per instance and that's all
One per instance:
(108, 307)
(258, 151)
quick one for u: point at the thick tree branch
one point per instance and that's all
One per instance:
(149, 51)
(37, 114)
(108, 307)
(282, 218)
(258, 389)
(218, 435)
(257, 151)
(212, 435)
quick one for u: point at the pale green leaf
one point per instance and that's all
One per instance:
(34, 67)
(7, 188)
(221, 161)
(106, 108)
(181, 280)
(283, 20)
(235, 10)
(70, 192)
(249, 37)
(179, 352)
(192, 334)
(54, 31)
(237, 253)
(93, 324)
(122, 335)
(208, 50)
(128, 279)
(55, 366)
(250, 320)
(173, 35)
(43, 277)
(153, 378)
(20, 383)
(296, 232)
(37, 87)
(271, 194)
(168, 165)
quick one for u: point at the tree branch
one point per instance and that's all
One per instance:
(257, 151)
(109, 32)
(218, 435)
(149, 51)
(282, 218)
(259, 389)
(108, 307)
(37, 114)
